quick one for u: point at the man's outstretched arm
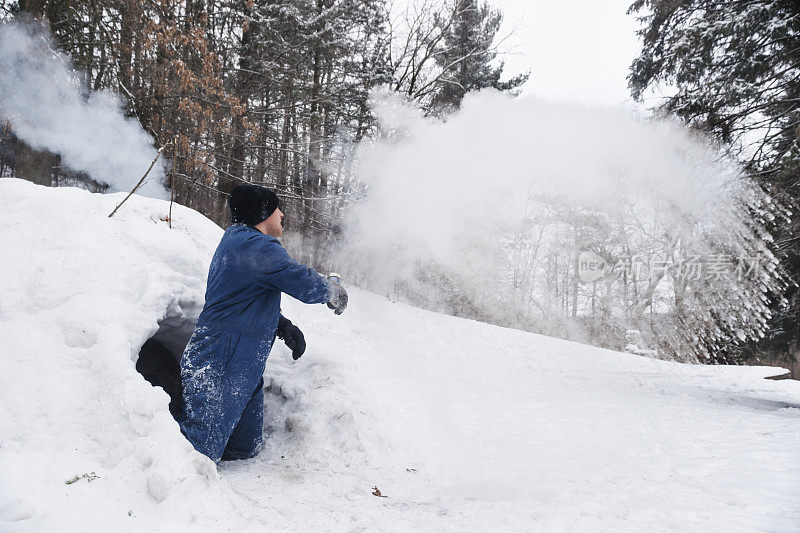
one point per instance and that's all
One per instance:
(277, 270)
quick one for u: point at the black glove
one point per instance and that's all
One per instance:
(292, 336)
(338, 300)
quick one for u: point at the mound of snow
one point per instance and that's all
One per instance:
(81, 294)
(461, 425)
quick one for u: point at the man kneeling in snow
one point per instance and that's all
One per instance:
(223, 365)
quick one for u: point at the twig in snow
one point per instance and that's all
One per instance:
(91, 476)
(172, 187)
(140, 181)
(171, 199)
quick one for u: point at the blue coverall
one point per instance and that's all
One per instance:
(222, 367)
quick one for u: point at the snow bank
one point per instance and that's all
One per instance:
(81, 294)
(461, 425)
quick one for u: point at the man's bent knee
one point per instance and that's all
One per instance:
(232, 453)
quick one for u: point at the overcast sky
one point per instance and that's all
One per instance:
(577, 50)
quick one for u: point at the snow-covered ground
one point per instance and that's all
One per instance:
(460, 425)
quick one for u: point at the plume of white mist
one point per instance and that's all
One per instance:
(41, 98)
(431, 184)
(497, 194)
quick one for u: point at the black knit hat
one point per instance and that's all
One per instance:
(252, 204)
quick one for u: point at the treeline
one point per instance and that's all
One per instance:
(273, 92)
(733, 69)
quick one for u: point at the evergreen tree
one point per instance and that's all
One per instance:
(466, 54)
(733, 69)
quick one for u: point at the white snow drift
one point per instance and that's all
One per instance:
(461, 425)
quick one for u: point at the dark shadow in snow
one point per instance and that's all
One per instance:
(278, 426)
(159, 358)
(751, 402)
(160, 368)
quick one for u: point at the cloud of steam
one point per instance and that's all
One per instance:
(41, 97)
(501, 171)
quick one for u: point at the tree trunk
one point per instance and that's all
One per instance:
(313, 167)
(35, 8)
(261, 153)
(34, 165)
(128, 18)
(283, 156)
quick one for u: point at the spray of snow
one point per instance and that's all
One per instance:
(42, 98)
(505, 173)
(435, 184)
